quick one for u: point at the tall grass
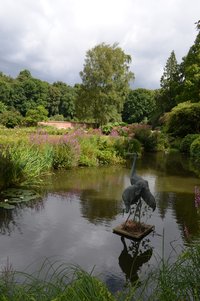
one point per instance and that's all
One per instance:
(26, 155)
(25, 164)
(59, 282)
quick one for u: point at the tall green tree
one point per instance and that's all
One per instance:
(67, 99)
(139, 105)
(191, 72)
(105, 84)
(53, 100)
(170, 83)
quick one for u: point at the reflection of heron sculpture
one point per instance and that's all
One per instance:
(139, 189)
(132, 258)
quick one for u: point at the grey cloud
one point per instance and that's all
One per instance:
(50, 38)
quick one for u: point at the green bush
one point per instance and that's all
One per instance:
(195, 150)
(183, 119)
(89, 151)
(150, 140)
(33, 116)
(11, 119)
(187, 141)
(107, 128)
(66, 154)
(124, 145)
(57, 117)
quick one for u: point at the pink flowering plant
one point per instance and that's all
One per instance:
(197, 198)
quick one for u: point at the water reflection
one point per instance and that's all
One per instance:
(10, 219)
(8, 222)
(98, 209)
(75, 218)
(133, 257)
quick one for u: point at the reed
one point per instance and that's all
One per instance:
(25, 164)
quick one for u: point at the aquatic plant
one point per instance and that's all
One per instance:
(26, 164)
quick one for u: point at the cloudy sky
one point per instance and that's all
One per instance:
(51, 37)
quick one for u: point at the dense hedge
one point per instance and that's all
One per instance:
(195, 150)
(187, 141)
(183, 119)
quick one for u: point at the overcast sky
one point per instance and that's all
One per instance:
(51, 37)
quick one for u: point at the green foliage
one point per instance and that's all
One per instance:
(3, 107)
(99, 150)
(107, 128)
(187, 141)
(139, 105)
(150, 140)
(57, 117)
(170, 82)
(65, 154)
(25, 164)
(124, 146)
(61, 283)
(89, 150)
(184, 119)
(27, 93)
(195, 150)
(86, 288)
(105, 84)
(33, 116)
(190, 68)
(179, 280)
(11, 118)
(67, 99)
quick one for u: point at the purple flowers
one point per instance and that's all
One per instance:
(197, 197)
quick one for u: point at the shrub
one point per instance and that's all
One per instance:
(33, 116)
(124, 145)
(183, 119)
(195, 150)
(57, 117)
(89, 150)
(107, 128)
(11, 119)
(187, 141)
(66, 152)
(149, 139)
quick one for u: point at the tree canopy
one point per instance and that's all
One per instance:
(139, 105)
(105, 84)
(191, 72)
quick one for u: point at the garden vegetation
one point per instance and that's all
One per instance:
(168, 282)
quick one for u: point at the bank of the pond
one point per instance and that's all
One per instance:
(169, 282)
(28, 155)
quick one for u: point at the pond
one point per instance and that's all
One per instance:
(74, 221)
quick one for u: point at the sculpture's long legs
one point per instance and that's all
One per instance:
(127, 218)
(136, 209)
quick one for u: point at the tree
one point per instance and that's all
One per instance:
(53, 99)
(33, 116)
(170, 83)
(191, 72)
(139, 105)
(67, 99)
(105, 84)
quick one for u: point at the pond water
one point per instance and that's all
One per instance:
(74, 221)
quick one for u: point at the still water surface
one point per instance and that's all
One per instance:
(73, 221)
